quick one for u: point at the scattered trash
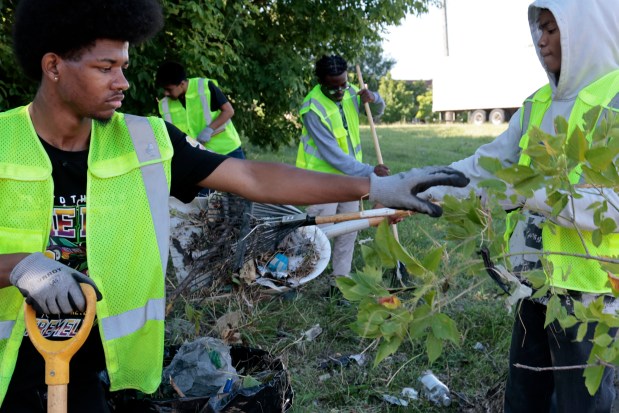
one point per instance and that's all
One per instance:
(410, 393)
(395, 400)
(434, 389)
(479, 347)
(361, 359)
(312, 333)
(279, 263)
(261, 384)
(324, 377)
(343, 361)
(200, 367)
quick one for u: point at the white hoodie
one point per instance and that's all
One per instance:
(590, 49)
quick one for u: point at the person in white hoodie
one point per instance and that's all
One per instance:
(577, 43)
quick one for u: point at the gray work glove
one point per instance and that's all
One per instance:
(400, 191)
(205, 135)
(49, 286)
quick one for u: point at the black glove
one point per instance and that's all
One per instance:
(400, 191)
(49, 286)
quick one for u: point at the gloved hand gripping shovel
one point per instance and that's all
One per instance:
(57, 354)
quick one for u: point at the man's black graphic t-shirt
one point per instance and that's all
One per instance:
(68, 242)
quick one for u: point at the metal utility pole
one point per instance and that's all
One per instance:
(445, 31)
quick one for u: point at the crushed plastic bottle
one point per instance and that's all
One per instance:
(434, 389)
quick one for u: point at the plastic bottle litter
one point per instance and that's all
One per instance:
(434, 389)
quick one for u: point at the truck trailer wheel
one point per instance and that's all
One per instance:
(478, 117)
(497, 116)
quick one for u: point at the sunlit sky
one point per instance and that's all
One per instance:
(476, 27)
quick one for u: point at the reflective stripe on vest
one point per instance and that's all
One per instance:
(206, 106)
(154, 179)
(5, 329)
(127, 323)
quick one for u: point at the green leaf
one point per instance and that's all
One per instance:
(445, 328)
(603, 340)
(608, 226)
(434, 347)
(577, 145)
(582, 331)
(553, 310)
(432, 259)
(387, 348)
(491, 165)
(593, 378)
(600, 158)
(567, 322)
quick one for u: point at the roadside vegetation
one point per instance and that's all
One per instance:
(474, 368)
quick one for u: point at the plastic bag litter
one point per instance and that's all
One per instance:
(261, 385)
(201, 367)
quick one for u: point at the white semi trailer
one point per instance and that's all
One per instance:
(490, 65)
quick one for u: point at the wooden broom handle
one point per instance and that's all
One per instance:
(379, 155)
(368, 113)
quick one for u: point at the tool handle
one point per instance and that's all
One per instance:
(380, 212)
(57, 398)
(57, 354)
(379, 156)
(368, 113)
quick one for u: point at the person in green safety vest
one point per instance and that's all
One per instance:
(576, 43)
(330, 142)
(200, 109)
(84, 194)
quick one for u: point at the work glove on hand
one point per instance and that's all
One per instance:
(49, 286)
(205, 135)
(400, 191)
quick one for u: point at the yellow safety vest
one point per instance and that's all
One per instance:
(329, 113)
(570, 272)
(198, 115)
(128, 230)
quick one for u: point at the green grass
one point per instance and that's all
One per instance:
(276, 323)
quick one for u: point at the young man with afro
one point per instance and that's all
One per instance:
(101, 180)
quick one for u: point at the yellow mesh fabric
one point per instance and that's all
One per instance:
(26, 199)
(123, 255)
(571, 272)
(577, 273)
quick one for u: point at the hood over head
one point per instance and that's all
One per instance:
(589, 41)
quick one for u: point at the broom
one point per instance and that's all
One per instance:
(401, 273)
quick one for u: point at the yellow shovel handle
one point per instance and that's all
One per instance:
(57, 354)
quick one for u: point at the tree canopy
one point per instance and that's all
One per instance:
(261, 52)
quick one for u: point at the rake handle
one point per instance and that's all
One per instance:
(329, 219)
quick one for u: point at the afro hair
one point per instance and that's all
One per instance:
(67, 27)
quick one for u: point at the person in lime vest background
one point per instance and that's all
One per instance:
(330, 142)
(75, 174)
(576, 43)
(200, 109)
